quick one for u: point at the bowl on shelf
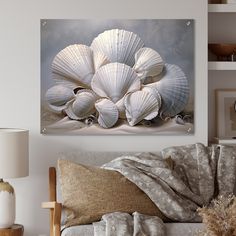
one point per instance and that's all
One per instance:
(225, 52)
(214, 1)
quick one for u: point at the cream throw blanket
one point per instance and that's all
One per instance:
(199, 174)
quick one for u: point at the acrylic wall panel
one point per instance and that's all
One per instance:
(117, 77)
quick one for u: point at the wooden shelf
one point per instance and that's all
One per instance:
(221, 65)
(221, 8)
(225, 141)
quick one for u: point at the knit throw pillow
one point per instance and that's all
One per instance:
(91, 192)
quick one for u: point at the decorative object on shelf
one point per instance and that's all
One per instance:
(114, 84)
(225, 113)
(224, 52)
(14, 230)
(214, 1)
(220, 217)
(14, 164)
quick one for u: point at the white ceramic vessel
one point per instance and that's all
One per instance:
(7, 205)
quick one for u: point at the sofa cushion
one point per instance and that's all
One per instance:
(172, 229)
(92, 192)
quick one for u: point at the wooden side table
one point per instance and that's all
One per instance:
(15, 230)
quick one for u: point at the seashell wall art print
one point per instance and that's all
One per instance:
(117, 77)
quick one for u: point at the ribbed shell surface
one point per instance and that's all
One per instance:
(118, 45)
(114, 81)
(108, 113)
(174, 90)
(82, 106)
(148, 62)
(141, 105)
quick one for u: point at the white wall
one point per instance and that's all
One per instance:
(20, 87)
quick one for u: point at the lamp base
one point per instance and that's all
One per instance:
(7, 205)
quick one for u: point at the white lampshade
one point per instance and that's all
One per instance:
(14, 153)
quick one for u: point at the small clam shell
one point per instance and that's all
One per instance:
(118, 45)
(57, 97)
(174, 90)
(148, 63)
(114, 81)
(141, 105)
(179, 120)
(90, 120)
(82, 106)
(75, 62)
(108, 113)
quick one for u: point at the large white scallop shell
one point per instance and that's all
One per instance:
(118, 45)
(114, 81)
(108, 113)
(57, 97)
(82, 106)
(76, 62)
(66, 81)
(148, 62)
(174, 90)
(141, 105)
(76, 65)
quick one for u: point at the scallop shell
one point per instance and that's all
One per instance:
(66, 81)
(108, 113)
(114, 81)
(141, 105)
(82, 106)
(148, 62)
(154, 92)
(118, 45)
(174, 90)
(57, 97)
(179, 120)
(74, 81)
(75, 62)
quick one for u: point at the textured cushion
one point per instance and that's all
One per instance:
(92, 192)
(172, 229)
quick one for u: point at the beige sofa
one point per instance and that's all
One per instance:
(56, 229)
